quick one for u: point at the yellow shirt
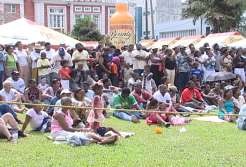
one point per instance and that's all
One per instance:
(43, 71)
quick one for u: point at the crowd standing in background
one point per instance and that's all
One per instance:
(128, 78)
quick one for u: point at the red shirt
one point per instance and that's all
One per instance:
(65, 73)
(143, 97)
(188, 94)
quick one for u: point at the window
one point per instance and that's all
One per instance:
(96, 20)
(11, 8)
(56, 18)
(78, 9)
(87, 9)
(96, 9)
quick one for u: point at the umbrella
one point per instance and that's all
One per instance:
(220, 76)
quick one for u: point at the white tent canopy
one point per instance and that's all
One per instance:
(239, 44)
(27, 32)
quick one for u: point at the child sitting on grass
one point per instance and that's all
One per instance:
(164, 117)
(38, 119)
(226, 106)
(96, 117)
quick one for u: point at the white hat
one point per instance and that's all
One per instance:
(65, 91)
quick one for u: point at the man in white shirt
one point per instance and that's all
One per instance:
(35, 55)
(17, 82)
(50, 53)
(60, 56)
(139, 59)
(128, 55)
(23, 61)
(80, 56)
(11, 95)
(162, 95)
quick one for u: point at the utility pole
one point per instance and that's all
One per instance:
(152, 19)
(146, 20)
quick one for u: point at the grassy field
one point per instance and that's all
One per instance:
(203, 144)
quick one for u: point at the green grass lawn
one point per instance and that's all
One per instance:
(203, 144)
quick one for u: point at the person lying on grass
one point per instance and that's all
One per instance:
(61, 127)
(96, 117)
(226, 106)
(7, 120)
(126, 101)
(38, 119)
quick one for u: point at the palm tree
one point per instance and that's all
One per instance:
(222, 15)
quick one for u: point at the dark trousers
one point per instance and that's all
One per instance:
(5, 108)
(182, 79)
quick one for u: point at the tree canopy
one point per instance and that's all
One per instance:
(222, 15)
(86, 30)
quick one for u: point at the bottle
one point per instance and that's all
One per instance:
(122, 26)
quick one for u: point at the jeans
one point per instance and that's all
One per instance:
(127, 116)
(5, 108)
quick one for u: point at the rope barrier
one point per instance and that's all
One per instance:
(114, 109)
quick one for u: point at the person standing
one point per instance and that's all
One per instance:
(218, 57)
(23, 61)
(81, 56)
(128, 55)
(239, 63)
(156, 66)
(49, 51)
(2, 65)
(11, 63)
(183, 68)
(170, 66)
(35, 55)
(139, 60)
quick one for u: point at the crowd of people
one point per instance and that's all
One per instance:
(162, 81)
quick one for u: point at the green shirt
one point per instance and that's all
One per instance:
(124, 103)
(11, 62)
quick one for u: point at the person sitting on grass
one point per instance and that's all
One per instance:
(38, 119)
(62, 127)
(156, 117)
(9, 94)
(226, 106)
(192, 97)
(126, 101)
(7, 120)
(141, 95)
(96, 116)
(32, 92)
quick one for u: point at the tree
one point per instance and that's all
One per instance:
(86, 30)
(222, 15)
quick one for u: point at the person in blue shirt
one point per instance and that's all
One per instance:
(2, 63)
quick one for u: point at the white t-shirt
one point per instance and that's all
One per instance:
(34, 56)
(37, 118)
(56, 62)
(128, 57)
(22, 57)
(50, 54)
(137, 63)
(163, 99)
(19, 85)
(8, 96)
(81, 55)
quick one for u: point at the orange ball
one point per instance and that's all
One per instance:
(158, 130)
